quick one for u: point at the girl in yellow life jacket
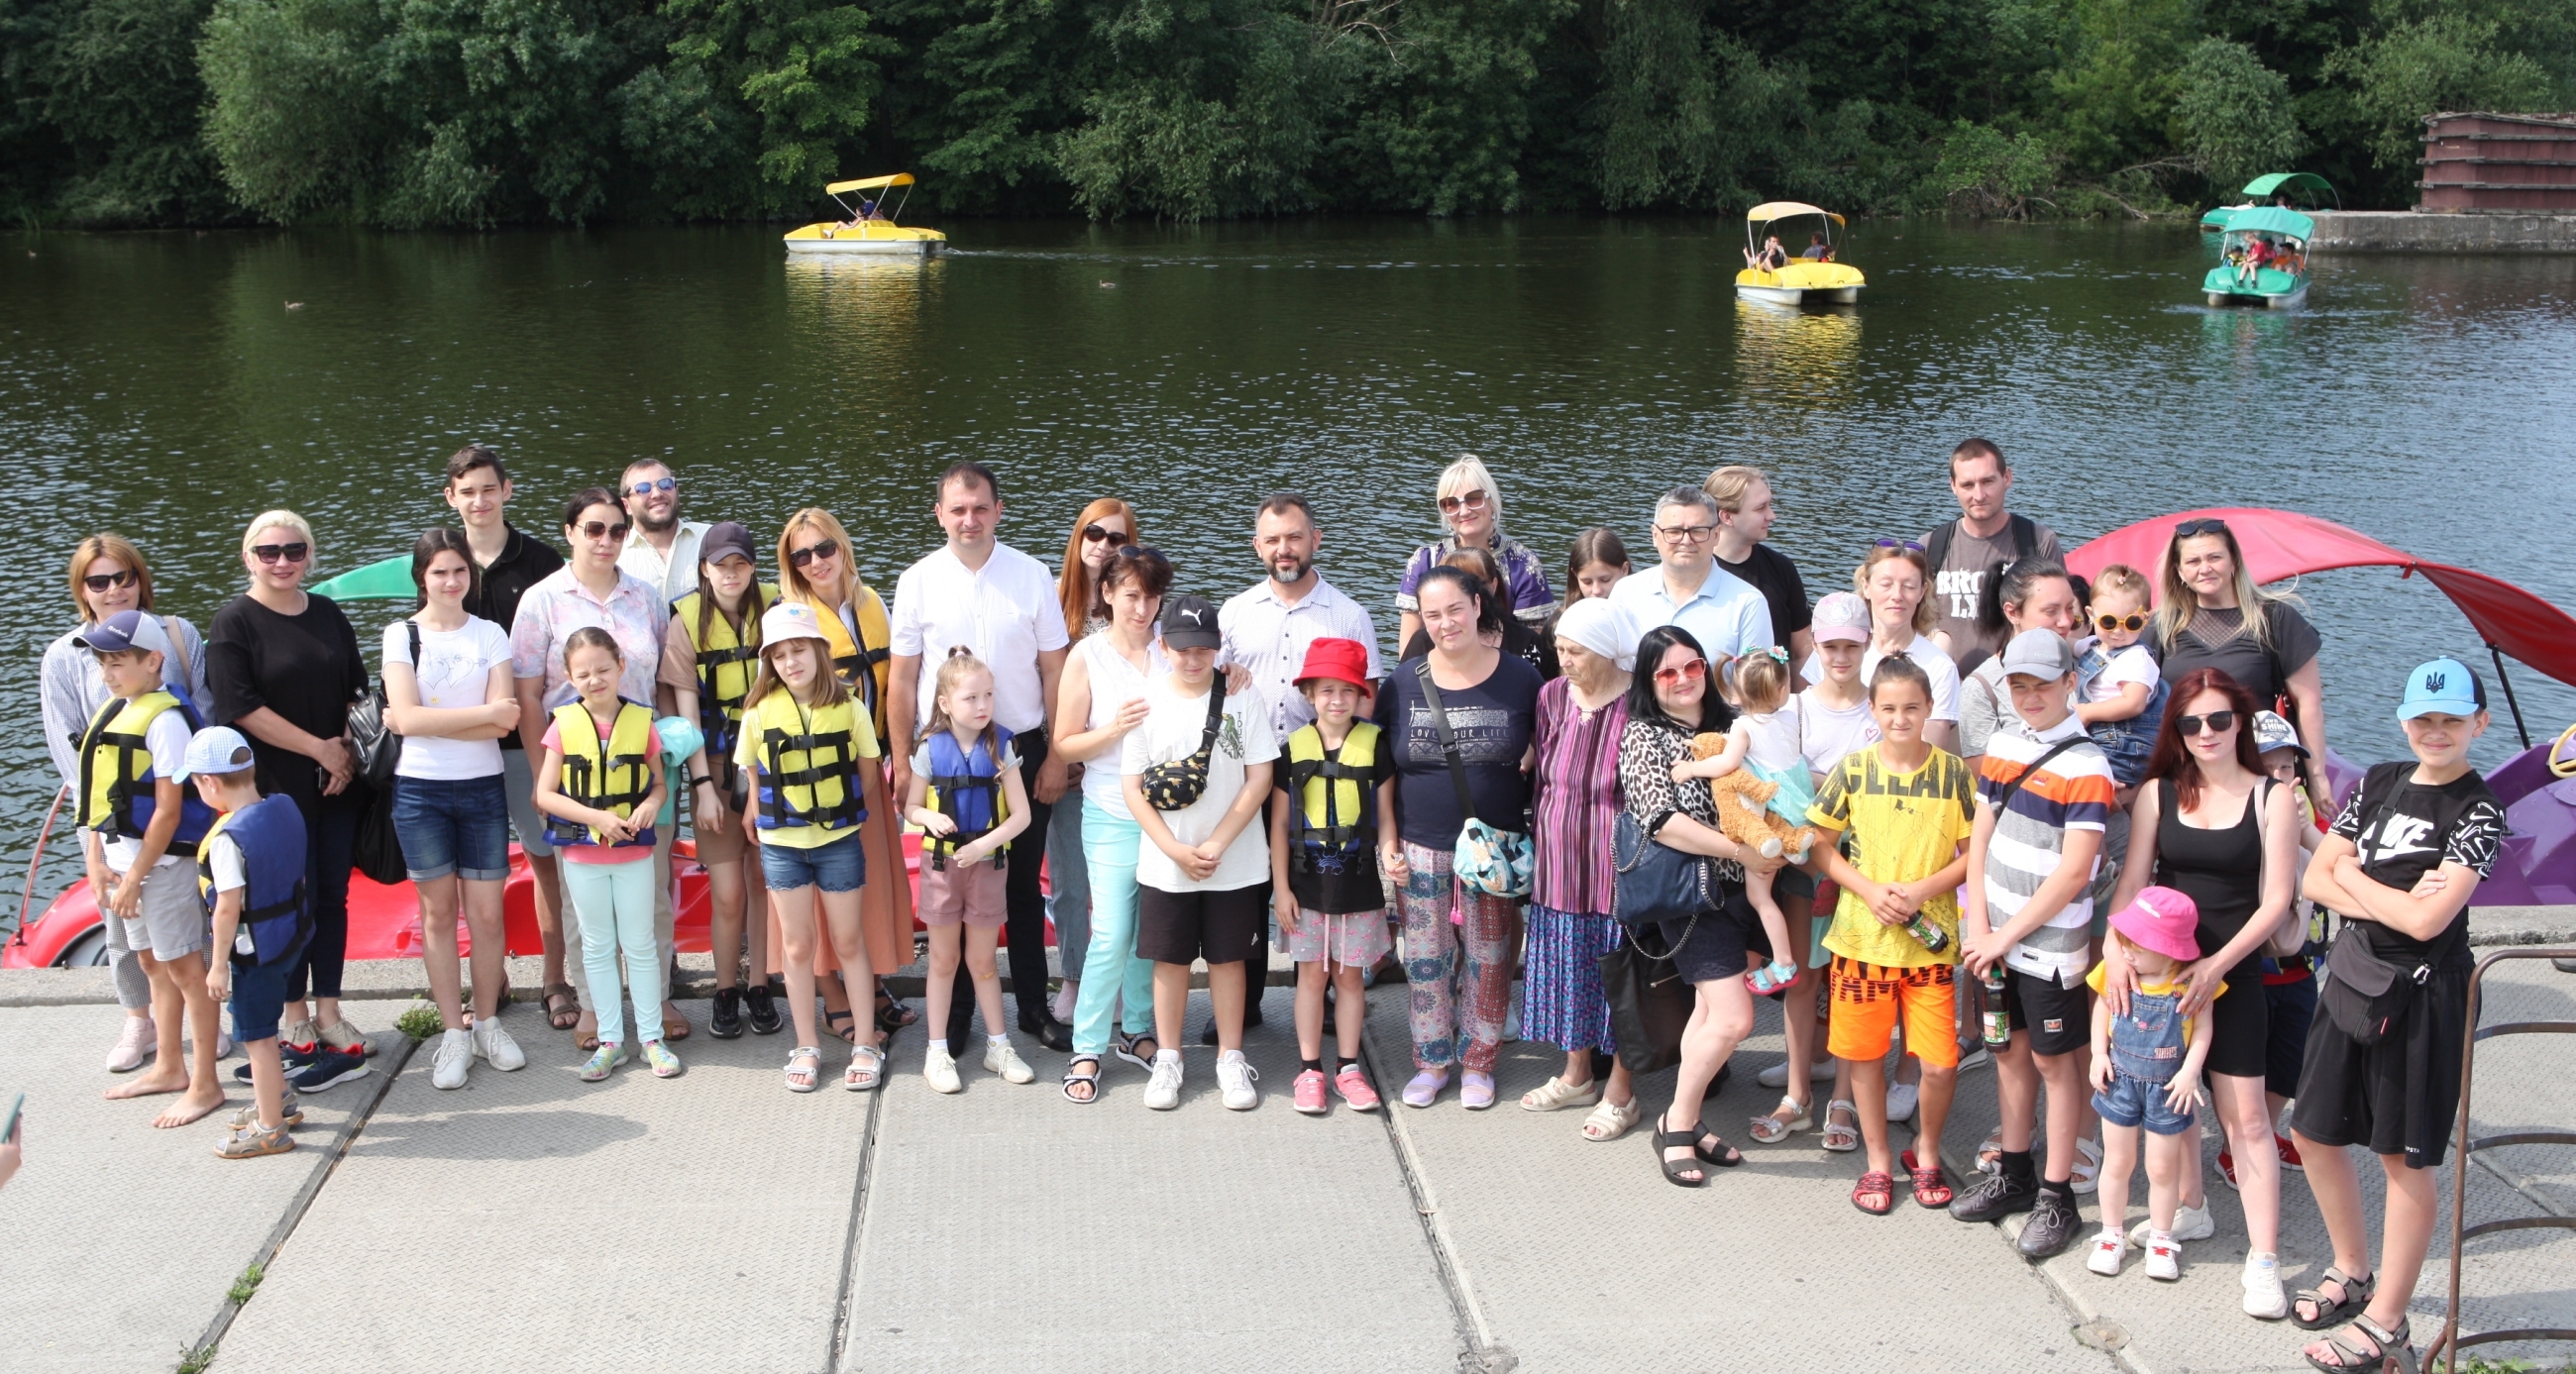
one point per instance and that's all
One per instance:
(709, 661)
(810, 748)
(601, 781)
(966, 794)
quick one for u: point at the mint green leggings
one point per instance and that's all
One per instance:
(614, 903)
(1110, 969)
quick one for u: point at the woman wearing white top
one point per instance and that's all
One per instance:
(1894, 580)
(450, 693)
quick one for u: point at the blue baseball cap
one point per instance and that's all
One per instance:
(2444, 685)
(123, 631)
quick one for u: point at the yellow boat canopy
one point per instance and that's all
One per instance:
(1785, 209)
(868, 183)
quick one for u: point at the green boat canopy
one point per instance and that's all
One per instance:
(2270, 182)
(386, 580)
(2272, 219)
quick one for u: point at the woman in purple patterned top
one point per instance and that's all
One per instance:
(1471, 511)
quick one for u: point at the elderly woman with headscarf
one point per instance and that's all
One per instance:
(1573, 807)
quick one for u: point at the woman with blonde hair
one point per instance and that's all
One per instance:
(2209, 614)
(1104, 527)
(818, 566)
(1896, 581)
(1471, 517)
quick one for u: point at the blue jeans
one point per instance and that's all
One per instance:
(1109, 845)
(840, 866)
(459, 826)
(1068, 883)
(614, 903)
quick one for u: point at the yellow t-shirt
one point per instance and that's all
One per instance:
(1904, 826)
(2168, 988)
(746, 755)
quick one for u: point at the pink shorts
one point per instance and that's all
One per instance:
(976, 895)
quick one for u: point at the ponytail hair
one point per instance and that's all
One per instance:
(953, 669)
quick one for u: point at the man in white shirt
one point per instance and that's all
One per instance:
(1000, 603)
(1267, 628)
(1725, 613)
(662, 551)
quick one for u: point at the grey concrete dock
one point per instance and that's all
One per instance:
(2416, 231)
(530, 1221)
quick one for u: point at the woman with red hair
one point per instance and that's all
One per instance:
(1104, 527)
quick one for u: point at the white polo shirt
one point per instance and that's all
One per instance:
(1006, 612)
(674, 577)
(1269, 636)
(1727, 615)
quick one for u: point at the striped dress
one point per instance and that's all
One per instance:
(1573, 808)
(2071, 791)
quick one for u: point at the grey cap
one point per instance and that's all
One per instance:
(2040, 654)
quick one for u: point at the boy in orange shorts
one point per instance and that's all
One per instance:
(1910, 808)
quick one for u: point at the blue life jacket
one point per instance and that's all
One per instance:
(966, 787)
(276, 921)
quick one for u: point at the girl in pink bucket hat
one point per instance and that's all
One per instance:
(2146, 1073)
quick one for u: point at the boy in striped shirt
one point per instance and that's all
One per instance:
(2044, 797)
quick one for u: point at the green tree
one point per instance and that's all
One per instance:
(2235, 116)
(2442, 62)
(760, 102)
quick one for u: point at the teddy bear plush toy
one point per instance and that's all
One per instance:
(1744, 812)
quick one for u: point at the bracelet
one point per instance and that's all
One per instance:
(703, 780)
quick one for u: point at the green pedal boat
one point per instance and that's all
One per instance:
(2263, 259)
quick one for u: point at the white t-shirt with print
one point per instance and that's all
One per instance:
(1173, 725)
(1833, 734)
(454, 672)
(167, 740)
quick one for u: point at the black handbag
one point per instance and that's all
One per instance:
(1654, 881)
(1179, 784)
(373, 745)
(1649, 1001)
(378, 850)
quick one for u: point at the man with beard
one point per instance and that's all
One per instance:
(1267, 628)
(663, 550)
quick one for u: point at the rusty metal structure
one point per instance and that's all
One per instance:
(2490, 162)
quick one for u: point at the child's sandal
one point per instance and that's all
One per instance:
(860, 1078)
(1842, 1137)
(1783, 1121)
(2349, 1293)
(2389, 1348)
(805, 1077)
(1931, 1186)
(1875, 1184)
(1073, 1076)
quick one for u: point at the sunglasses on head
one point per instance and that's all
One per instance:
(1093, 534)
(2205, 525)
(1908, 545)
(2217, 722)
(1473, 499)
(2134, 621)
(829, 548)
(99, 582)
(648, 488)
(596, 529)
(280, 553)
(1691, 671)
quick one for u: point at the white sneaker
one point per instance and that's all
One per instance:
(1777, 1076)
(2164, 1258)
(2108, 1250)
(1163, 1090)
(495, 1045)
(1902, 1099)
(2190, 1223)
(940, 1067)
(1066, 997)
(1000, 1058)
(2263, 1296)
(134, 1044)
(447, 1066)
(1236, 1078)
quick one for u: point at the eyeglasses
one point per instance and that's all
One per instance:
(99, 582)
(1472, 499)
(1906, 544)
(2217, 722)
(280, 553)
(829, 548)
(648, 488)
(1691, 671)
(600, 529)
(1688, 534)
(1093, 534)
(2133, 622)
(2205, 525)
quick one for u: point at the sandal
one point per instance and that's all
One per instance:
(1783, 1121)
(1674, 1169)
(1725, 1156)
(1556, 1093)
(838, 1024)
(2349, 1292)
(893, 1013)
(1132, 1048)
(1990, 1153)
(1611, 1120)
(2389, 1348)
(807, 1078)
(1074, 1075)
(1842, 1137)
(1875, 1184)
(675, 1028)
(2085, 1174)
(859, 1078)
(563, 1005)
(1931, 1186)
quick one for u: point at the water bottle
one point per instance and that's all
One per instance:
(1998, 1022)
(1921, 928)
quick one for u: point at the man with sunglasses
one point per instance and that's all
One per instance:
(1725, 613)
(662, 550)
(1963, 551)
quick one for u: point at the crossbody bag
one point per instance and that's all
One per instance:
(1487, 858)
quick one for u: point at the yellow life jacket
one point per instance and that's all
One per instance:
(116, 786)
(809, 764)
(727, 661)
(613, 780)
(1329, 796)
(862, 663)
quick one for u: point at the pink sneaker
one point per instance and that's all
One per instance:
(1355, 1089)
(1310, 1092)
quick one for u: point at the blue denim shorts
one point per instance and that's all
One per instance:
(2130, 1102)
(459, 826)
(259, 999)
(836, 867)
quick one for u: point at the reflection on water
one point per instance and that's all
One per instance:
(1788, 354)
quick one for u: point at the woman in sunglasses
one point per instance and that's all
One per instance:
(590, 591)
(2210, 824)
(1104, 527)
(284, 666)
(818, 565)
(108, 575)
(1471, 511)
(2209, 614)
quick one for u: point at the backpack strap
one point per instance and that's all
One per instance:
(2005, 799)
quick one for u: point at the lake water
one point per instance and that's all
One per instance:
(158, 385)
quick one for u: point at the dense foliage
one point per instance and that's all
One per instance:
(469, 112)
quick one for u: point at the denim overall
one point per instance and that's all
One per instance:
(2146, 1051)
(2127, 742)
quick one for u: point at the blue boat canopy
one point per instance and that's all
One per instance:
(2272, 219)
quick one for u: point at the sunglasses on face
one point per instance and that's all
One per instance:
(600, 529)
(1906, 544)
(280, 553)
(1691, 671)
(648, 488)
(2188, 528)
(2216, 722)
(2133, 622)
(828, 549)
(99, 582)
(1468, 500)
(1094, 534)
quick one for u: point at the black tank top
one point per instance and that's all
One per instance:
(2221, 870)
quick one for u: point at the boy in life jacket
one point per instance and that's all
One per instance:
(252, 861)
(1327, 834)
(141, 829)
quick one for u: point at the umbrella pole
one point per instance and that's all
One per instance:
(2498, 655)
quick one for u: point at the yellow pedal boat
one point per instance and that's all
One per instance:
(871, 228)
(1772, 274)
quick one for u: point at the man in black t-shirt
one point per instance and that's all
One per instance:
(1744, 514)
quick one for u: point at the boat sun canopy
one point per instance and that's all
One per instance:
(868, 183)
(1785, 209)
(2271, 182)
(2272, 219)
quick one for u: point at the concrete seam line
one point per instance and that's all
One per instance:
(1479, 1351)
(302, 1202)
(863, 1185)
(2068, 1301)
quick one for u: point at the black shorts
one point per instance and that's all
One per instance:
(2058, 1019)
(2292, 1005)
(1718, 943)
(2240, 1025)
(1221, 927)
(2399, 1096)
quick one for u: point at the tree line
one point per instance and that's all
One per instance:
(465, 113)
